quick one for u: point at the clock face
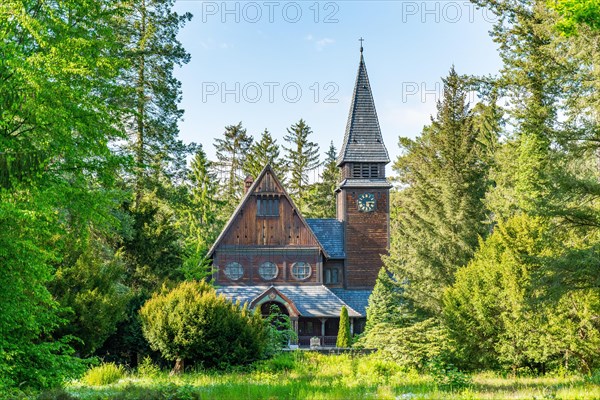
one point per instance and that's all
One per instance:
(366, 202)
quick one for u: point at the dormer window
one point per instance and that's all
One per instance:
(267, 207)
(365, 170)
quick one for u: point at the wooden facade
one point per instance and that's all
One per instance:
(275, 235)
(269, 254)
(366, 235)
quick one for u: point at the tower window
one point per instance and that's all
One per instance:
(267, 207)
(365, 170)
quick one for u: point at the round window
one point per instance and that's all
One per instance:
(234, 271)
(301, 270)
(268, 270)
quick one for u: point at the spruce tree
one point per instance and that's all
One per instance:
(344, 339)
(321, 195)
(201, 216)
(302, 157)
(441, 215)
(231, 158)
(266, 151)
(387, 304)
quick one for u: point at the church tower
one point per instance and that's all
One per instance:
(362, 198)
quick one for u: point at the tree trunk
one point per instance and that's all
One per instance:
(178, 368)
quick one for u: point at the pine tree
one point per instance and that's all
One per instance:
(231, 158)
(321, 195)
(344, 339)
(441, 214)
(302, 157)
(264, 152)
(148, 33)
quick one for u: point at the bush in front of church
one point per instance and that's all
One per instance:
(191, 322)
(344, 339)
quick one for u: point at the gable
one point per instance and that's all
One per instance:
(266, 217)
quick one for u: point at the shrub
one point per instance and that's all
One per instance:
(103, 374)
(343, 338)
(147, 368)
(594, 377)
(412, 346)
(192, 322)
(279, 331)
(447, 376)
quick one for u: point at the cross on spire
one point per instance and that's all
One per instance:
(361, 40)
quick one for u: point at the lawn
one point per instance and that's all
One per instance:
(315, 376)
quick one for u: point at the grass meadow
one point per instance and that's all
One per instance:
(303, 375)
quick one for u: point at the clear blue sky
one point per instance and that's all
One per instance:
(251, 60)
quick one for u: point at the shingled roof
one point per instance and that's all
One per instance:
(310, 300)
(363, 141)
(330, 233)
(357, 299)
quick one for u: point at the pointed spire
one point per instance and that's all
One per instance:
(363, 141)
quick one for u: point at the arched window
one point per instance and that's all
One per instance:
(301, 270)
(234, 270)
(268, 270)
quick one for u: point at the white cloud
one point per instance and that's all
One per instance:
(308, 37)
(321, 43)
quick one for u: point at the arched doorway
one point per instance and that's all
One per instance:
(278, 316)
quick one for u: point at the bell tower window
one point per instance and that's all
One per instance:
(366, 170)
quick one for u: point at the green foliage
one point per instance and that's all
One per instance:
(56, 171)
(147, 32)
(200, 217)
(282, 362)
(266, 151)
(192, 322)
(147, 368)
(232, 151)
(303, 156)
(103, 374)
(280, 331)
(154, 252)
(344, 339)
(101, 298)
(446, 376)
(575, 13)
(413, 346)
(128, 342)
(496, 311)
(317, 376)
(440, 215)
(320, 197)
(387, 303)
